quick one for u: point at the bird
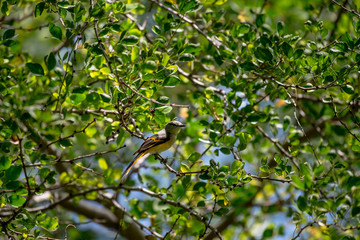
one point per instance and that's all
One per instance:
(155, 144)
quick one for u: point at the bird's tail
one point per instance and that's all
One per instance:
(140, 158)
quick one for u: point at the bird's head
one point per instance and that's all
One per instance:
(174, 126)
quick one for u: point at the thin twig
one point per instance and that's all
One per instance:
(302, 129)
(75, 159)
(342, 123)
(73, 134)
(164, 161)
(346, 9)
(123, 210)
(278, 145)
(33, 236)
(21, 154)
(216, 44)
(176, 204)
(212, 215)
(172, 227)
(329, 85)
(268, 178)
(60, 17)
(302, 229)
(330, 44)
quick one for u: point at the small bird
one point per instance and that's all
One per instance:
(157, 143)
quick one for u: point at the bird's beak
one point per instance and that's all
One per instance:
(183, 125)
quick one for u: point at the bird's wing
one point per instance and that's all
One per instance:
(151, 142)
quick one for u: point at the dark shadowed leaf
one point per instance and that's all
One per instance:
(55, 31)
(50, 61)
(35, 68)
(186, 57)
(8, 34)
(39, 9)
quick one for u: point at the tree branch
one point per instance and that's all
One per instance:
(278, 145)
(346, 9)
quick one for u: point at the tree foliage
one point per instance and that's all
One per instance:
(268, 90)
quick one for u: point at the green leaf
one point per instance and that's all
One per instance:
(222, 211)
(205, 176)
(200, 187)
(225, 150)
(97, 11)
(189, 6)
(105, 98)
(55, 31)
(44, 172)
(171, 81)
(244, 139)
(348, 89)
(39, 9)
(201, 204)
(229, 141)
(318, 170)
(248, 66)
(355, 211)
(263, 54)
(108, 131)
(13, 173)
(156, 29)
(194, 157)
(12, 185)
(164, 109)
(35, 68)
(80, 89)
(130, 40)
(149, 66)
(287, 49)
(148, 77)
(5, 163)
(355, 148)
(93, 97)
(134, 54)
(102, 164)
(49, 223)
(244, 28)
(165, 59)
(246, 179)
(186, 57)
(280, 28)
(297, 182)
(236, 166)
(121, 138)
(260, 20)
(220, 176)
(305, 170)
(298, 53)
(341, 46)
(301, 203)
(256, 117)
(17, 201)
(65, 143)
(131, 6)
(4, 8)
(77, 98)
(50, 61)
(264, 168)
(287, 121)
(8, 34)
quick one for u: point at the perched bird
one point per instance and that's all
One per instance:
(157, 143)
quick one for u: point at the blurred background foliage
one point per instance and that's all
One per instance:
(268, 90)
